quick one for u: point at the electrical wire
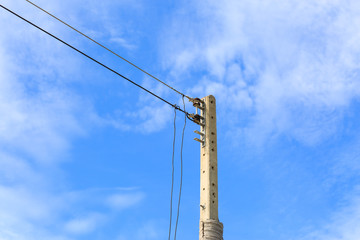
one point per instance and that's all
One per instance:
(181, 172)
(173, 105)
(101, 45)
(172, 174)
(96, 61)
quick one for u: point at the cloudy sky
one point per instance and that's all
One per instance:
(86, 155)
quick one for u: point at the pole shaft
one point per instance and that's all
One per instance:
(208, 166)
(210, 227)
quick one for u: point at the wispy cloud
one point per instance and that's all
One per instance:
(83, 225)
(123, 201)
(281, 71)
(40, 117)
(343, 225)
(149, 230)
(288, 66)
(38, 121)
(123, 43)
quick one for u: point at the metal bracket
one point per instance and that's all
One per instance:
(199, 119)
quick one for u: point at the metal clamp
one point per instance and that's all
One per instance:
(199, 119)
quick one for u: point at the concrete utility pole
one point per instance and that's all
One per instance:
(210, 226)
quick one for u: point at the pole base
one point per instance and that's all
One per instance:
(211, 230)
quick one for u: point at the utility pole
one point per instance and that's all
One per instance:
(210, 226)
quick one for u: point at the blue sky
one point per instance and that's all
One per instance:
(86, 155)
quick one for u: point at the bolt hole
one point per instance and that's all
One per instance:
(211, 101)
(213, 184)
(212, 141)
(212, 150)
(203, 171)
(203, 189)
(212, 117)
(204, 154)
(213, 201)
(212, 133)
(212, 167)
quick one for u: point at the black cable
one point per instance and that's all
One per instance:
(172, 174)
(101, 64)
(173, 105)
(181, 172)
(106, 48)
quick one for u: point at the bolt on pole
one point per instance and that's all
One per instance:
(210, 226)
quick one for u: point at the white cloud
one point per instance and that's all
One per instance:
(151, 114)
(344, 224)
(146, 231)
(123, 43)
(146, 119)
(28, 212)
(280, 70)
(276, 61)
(40, 116)
(341, 181)
(83, 225)
(123, 201)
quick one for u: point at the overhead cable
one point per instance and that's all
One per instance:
(96, 61)
(109, 50)
(181, 172)
(172, 175)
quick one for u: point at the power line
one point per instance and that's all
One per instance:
(101, 45)
(181, 173)
(117, 73)
(96, 61)
(172, 175)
